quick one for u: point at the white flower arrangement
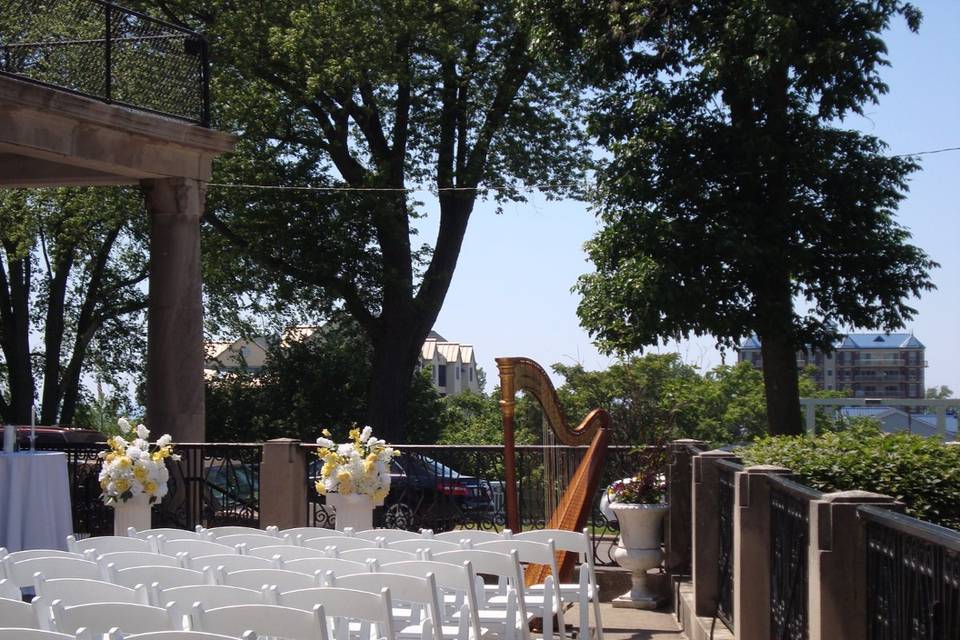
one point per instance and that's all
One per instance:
(135, 466)
(360, 467)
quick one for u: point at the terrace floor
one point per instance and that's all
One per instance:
(634, 624)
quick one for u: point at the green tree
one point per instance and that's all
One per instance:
(730, 191)
(471, 97)
(71, 266)
(943, 392)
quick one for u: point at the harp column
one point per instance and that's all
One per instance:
(508, 405)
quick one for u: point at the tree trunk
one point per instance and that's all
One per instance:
(781, 384)
(394, 361)
(19, 367)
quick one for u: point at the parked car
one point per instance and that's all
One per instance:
(54, 437)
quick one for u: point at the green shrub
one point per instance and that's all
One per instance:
(921, 472)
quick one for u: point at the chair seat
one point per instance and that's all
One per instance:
(448, 631)
(493, 616)
(567, 589)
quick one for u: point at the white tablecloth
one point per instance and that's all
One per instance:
(34, 501)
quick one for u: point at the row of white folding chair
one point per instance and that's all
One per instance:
(175, 635)
(15, 633)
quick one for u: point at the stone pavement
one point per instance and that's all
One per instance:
(634, 624)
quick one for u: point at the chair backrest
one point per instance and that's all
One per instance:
(10, 590)
(528, 551)
(377, 554)
(166, 532)
(74, 591)
(179, 635)
(193, 547)
(287, 552)
(34, 634)
(228, 562)
(179, 600)
(344, 605)
(214, 533)
(501, 565)
(342, 543)
(17, 613)
(251, 540)
(100, 617)
(163, 577)
(459, 578)
(284, 580)
(27, 554)
(263, 619)
(21, 573)
(306, 533)
(431, 545)
(108, 544)
(403, 588)
(475, 536)
(323, 565)
(387, 535)
(127, 559)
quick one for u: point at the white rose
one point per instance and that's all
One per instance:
(134, 453)
(326, 443)
(164, 440)
(143, 432)
(124, 425)
(365, 434)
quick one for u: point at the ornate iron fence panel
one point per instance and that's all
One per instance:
(456, 486)
(913, 577)
(725, 559)
(100, 50)
(90, 516)
(789, 545)
(212, 485)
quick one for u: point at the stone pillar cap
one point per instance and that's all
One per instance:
(856, 496)
(282, 440)
(765, 468)
(718, 453)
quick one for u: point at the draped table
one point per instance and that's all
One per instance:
(34, 501)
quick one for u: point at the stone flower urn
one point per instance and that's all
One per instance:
(638, 550)
(354, 511)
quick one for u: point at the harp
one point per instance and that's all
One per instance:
(572, 509)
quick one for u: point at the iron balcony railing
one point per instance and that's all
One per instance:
(100, 50)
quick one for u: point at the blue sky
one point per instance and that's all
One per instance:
(511, 295)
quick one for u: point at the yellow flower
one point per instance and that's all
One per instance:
(110, 457)
(150, 486)
(104, 483)
(355, 434)
(140, 473)
(124, 462)
(346, 483)
(379, 495)
(368, 465)
(325, 433)
(122, 485)
(157, 456)
(372, 457)
(321, 488)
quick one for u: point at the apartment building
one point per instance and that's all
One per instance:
(867, 365)
(453, 366)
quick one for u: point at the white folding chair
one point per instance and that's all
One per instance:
(108, 544)
(377, 555)
(177, 635)
(323, 566)
(27, 554)
(585, 592)
(180, 600)
(17, 613)
(424, 544)
(193, 547)
(164, 577)
(39, 634)
(513, 620)
(344, 606)
(287, 552)
(258, 578)
(420, 593)
(21, 573)
(74, 591)
(249, 540)
(263, 619)
(101, 617)
(127, 559)
(475, 536)
(228, 562)
(340, 543)
(387, 535)
(9, 590)
(461, 584)
(166, 532)
(546, 602)
(218, 532)
(307, 533)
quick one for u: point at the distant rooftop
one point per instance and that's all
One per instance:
(860, 341)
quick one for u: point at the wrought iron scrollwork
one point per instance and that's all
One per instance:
(789, 537)
(725, 558)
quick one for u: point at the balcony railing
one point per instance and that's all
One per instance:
(97, 49)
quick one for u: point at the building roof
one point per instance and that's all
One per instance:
(448, 351)
(860, 341)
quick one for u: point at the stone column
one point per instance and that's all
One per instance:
(837, 584)
(283, 484)
(706, 530)
(175, 356)
(751, 563)
(678, 528)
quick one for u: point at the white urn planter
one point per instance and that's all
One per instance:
(354, 511)
(135, 512)
(639, 550)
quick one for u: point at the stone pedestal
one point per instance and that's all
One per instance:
(135, 512)
(639, 550)
(353, 511)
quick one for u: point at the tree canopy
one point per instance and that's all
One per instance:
(732, 202)
(471, 98)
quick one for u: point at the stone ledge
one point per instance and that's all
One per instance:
(696, 627)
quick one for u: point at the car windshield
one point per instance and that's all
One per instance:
(438, 468)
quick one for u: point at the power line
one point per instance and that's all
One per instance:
(437, 190)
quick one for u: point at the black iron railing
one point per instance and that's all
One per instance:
(913, 577)
(789, 550)
(90, 516)
(725, 559)
(97, 49)
(453, 486)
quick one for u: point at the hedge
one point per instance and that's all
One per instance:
(923, 473)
